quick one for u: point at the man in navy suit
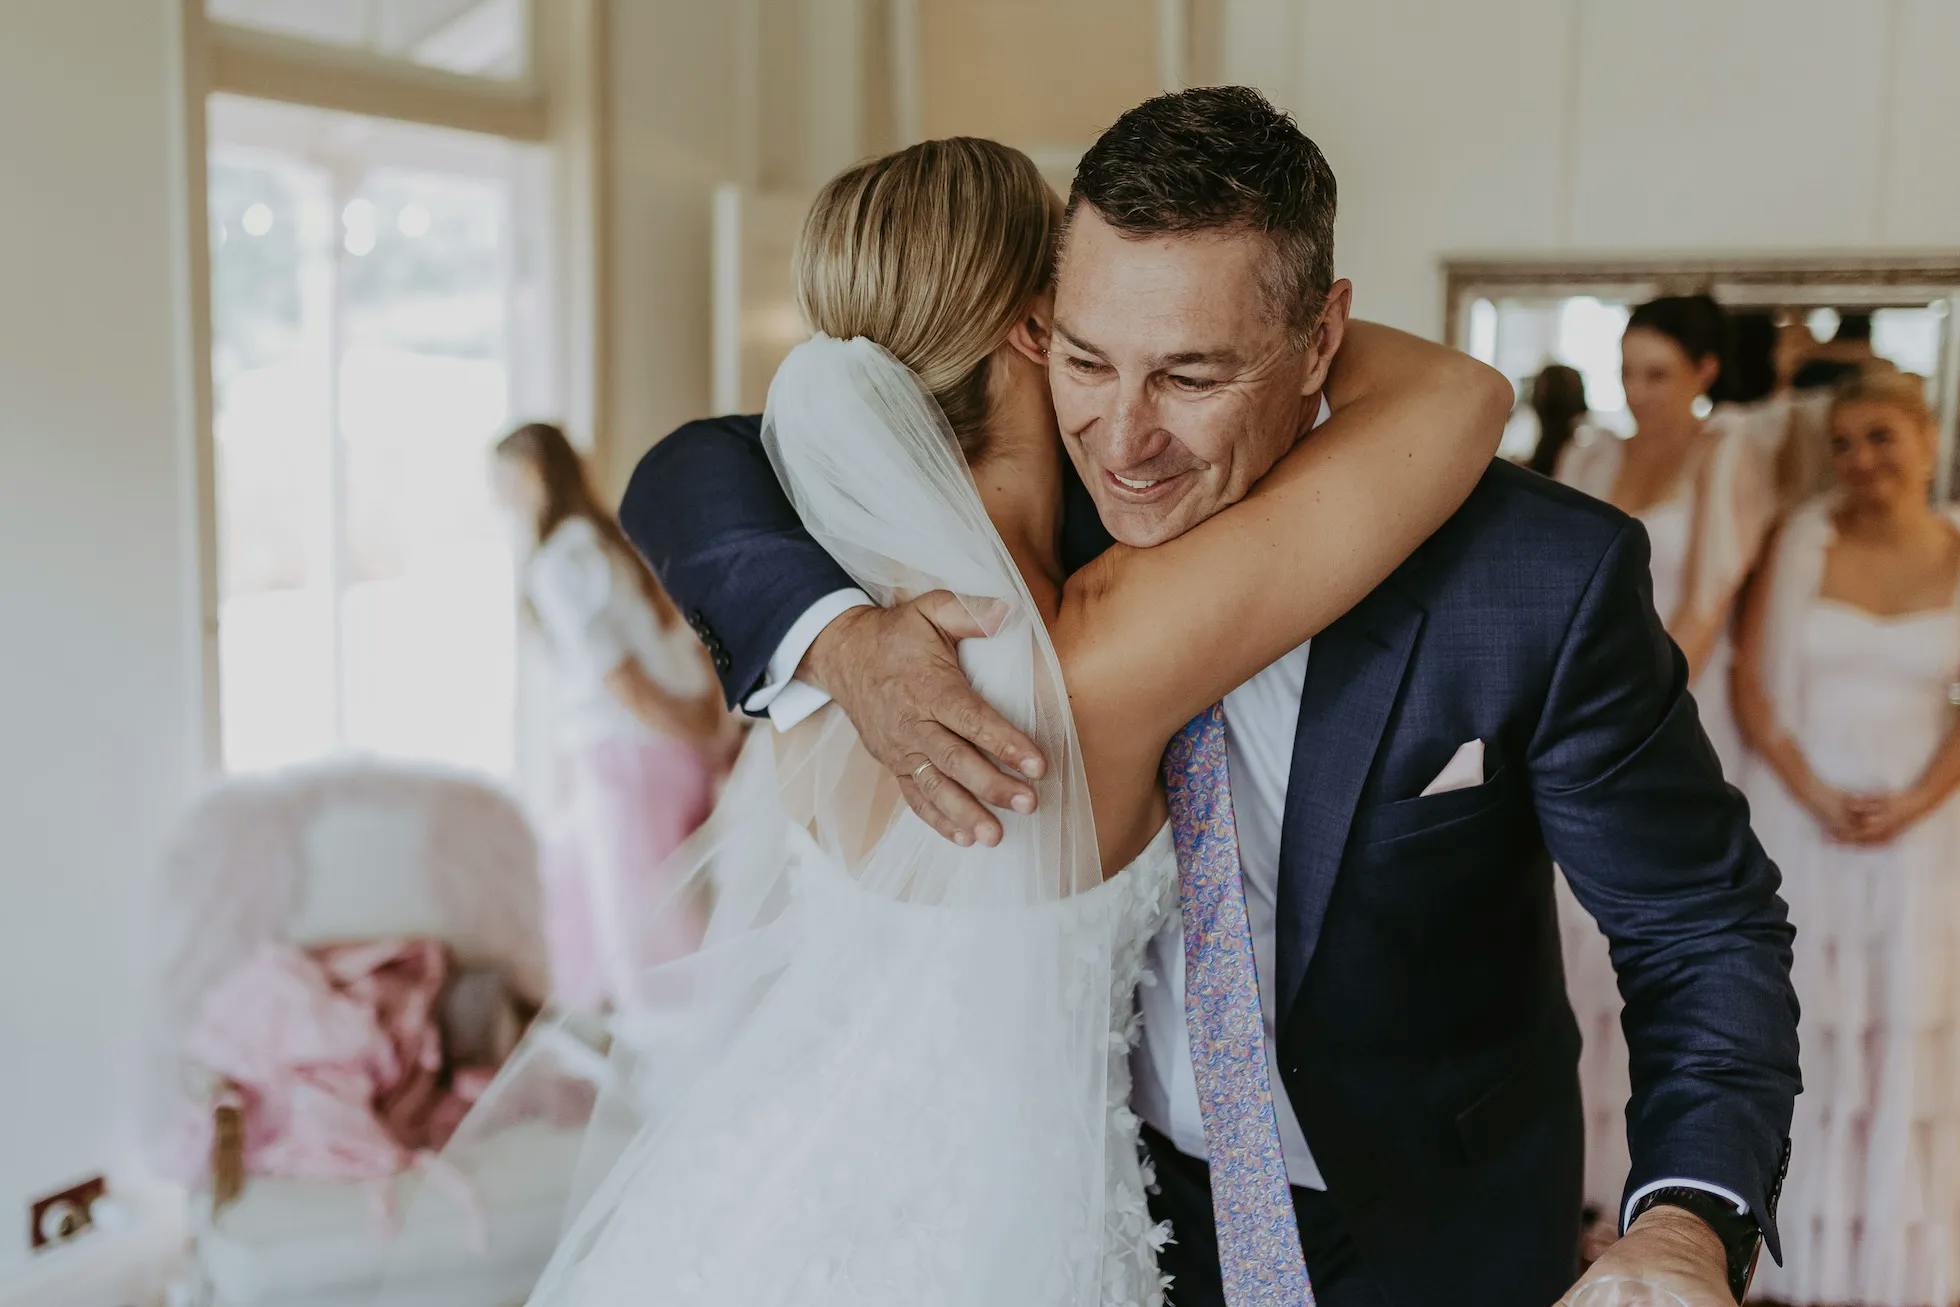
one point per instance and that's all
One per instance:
(1401, 785)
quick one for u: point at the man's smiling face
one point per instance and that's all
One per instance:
(1177, 384)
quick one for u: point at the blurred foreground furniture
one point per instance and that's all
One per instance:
(342, 852)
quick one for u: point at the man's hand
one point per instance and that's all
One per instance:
(1667, 1249)
(896, 674)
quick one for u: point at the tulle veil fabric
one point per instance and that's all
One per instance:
(882, 1078)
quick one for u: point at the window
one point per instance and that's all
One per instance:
(366, 352)
(485, 37)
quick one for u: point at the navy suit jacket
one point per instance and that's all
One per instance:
(1424, 1034)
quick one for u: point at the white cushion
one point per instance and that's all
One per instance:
(297, 1243)
(366, 875)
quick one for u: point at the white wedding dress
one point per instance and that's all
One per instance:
(897, 1072)
(891, 1218)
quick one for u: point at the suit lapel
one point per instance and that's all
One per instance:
(1353, 675)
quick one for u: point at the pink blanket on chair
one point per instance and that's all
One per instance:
(336, 1055)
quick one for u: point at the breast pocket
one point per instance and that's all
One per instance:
(1458, 814)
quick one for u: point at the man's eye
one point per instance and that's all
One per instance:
(1194, 385)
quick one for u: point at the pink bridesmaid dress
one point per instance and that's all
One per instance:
(634, 794)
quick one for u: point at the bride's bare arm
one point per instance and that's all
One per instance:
(1149, 637)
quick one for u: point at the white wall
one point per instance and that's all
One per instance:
(99, 683)
(747, 91)
(98, 697)
(674, 68)
(1560, 126)
(1523, 127)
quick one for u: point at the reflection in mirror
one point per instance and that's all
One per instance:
(1797, 328)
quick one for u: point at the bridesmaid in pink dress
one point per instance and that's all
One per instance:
(1847, 685)
(641, 727)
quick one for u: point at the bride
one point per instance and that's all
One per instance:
(896, 1072)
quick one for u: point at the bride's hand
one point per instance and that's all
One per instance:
(896, 674)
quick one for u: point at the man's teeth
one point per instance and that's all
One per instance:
(1135, 485)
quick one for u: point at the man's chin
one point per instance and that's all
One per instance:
(1139, 529)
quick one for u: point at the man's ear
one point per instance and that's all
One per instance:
(1328, 332)
(1030, 335)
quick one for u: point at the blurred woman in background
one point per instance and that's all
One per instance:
(1788, 421)
(1706, 494)
(1748, 373)
(1558, 399)
(1846, 682)
(641, 724)
(1705, 497)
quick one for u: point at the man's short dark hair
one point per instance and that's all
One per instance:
(1218, 158)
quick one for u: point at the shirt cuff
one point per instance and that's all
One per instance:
(1626, 1217)
(786, 699)
(793, 703)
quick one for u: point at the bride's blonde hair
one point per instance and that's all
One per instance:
(934, 252)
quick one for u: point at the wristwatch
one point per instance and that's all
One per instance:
(1741, 1236)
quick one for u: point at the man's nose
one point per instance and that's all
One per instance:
(1134, 433)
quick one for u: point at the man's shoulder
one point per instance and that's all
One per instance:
(690, 437)
(1519, 524)
(746, 425)
(1512, 490)
(689, 450)
(1512, 508)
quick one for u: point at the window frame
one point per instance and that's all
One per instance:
(558, 103)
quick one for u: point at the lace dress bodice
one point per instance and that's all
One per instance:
(1128, 909)
(893, 1090)
(1143, 894)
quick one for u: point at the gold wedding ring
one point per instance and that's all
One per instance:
(919, 771)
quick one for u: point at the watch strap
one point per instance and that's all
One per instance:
(1739, 1232)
